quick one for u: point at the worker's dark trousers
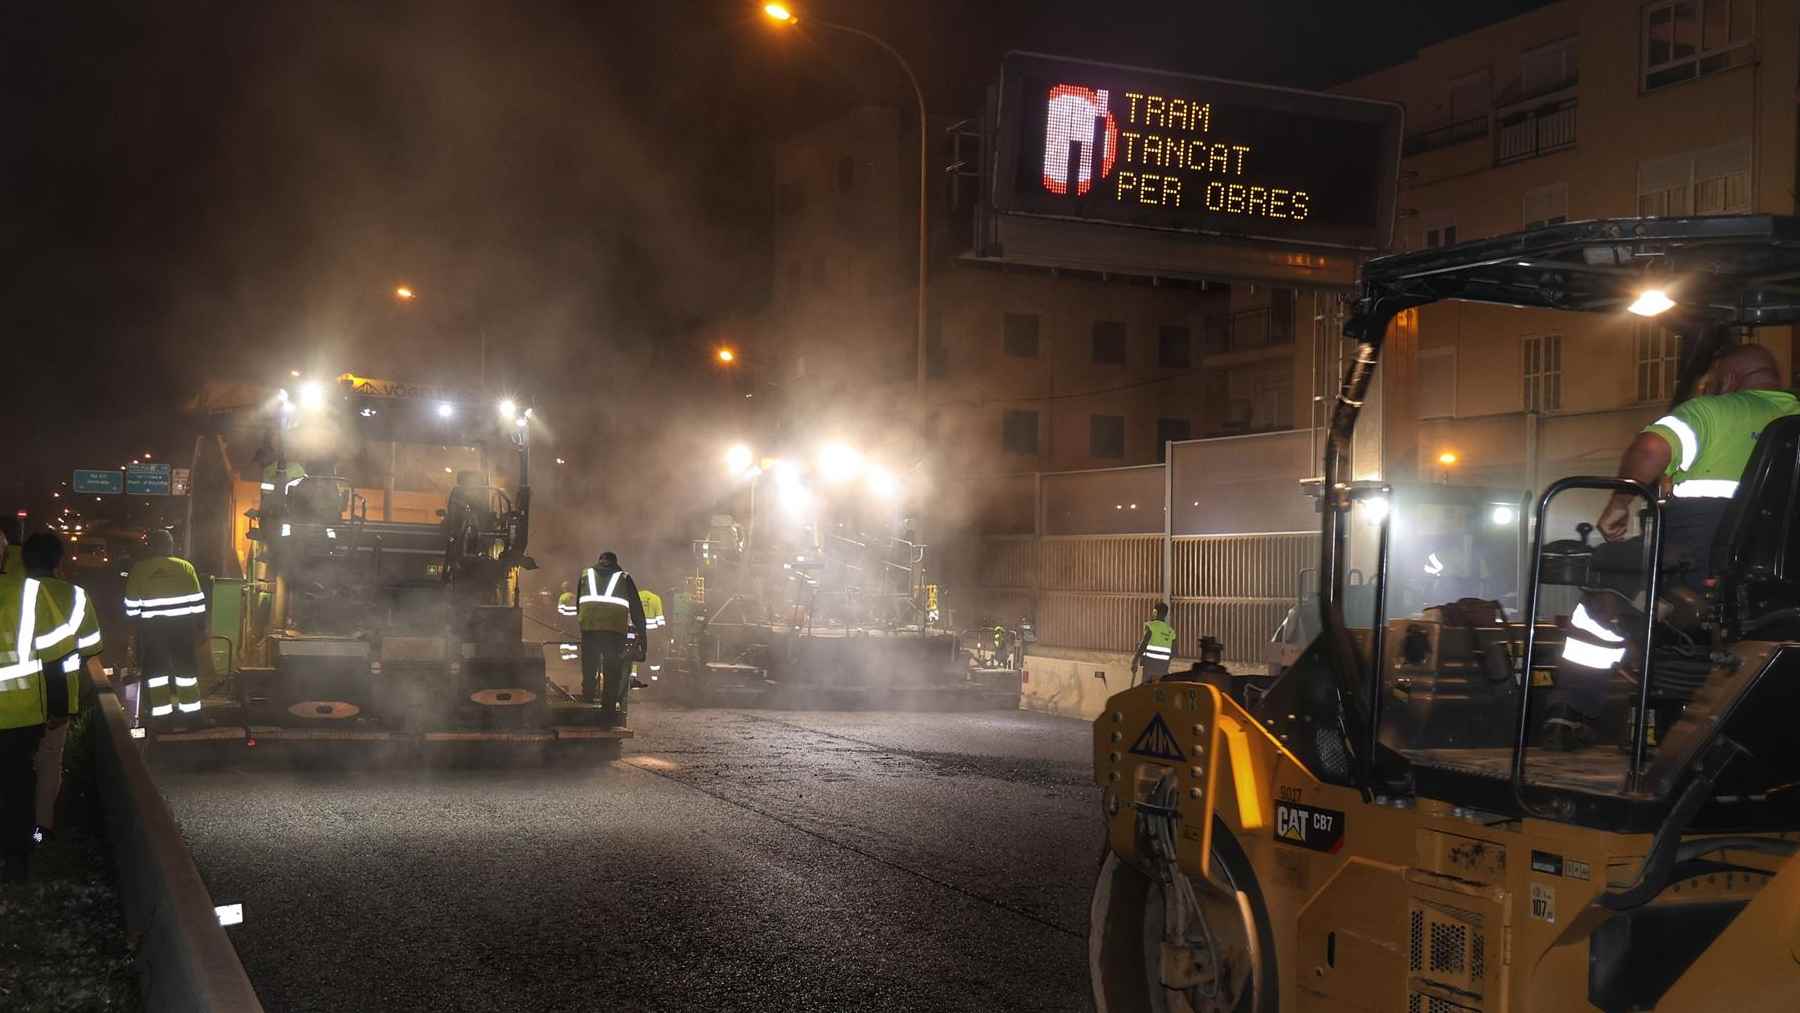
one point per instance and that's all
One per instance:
(170, 662)
(1152, 669)
(18, 796)
(603, 655)
(1689, 527)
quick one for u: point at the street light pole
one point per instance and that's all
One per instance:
(784, 16)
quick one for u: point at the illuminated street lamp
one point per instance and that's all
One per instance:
(781, 14)
(404, 293)
(727, 356)
(1447, 458)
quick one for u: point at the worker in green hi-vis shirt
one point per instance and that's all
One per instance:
(1701, 447)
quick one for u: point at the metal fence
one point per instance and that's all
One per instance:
(1228, 557)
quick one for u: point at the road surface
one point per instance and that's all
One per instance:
(741, 860)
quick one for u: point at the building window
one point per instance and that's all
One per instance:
(1546, 205)
(1019, 433)
(1706, 182)
(846, 174)
(1658, 361)
(1543, 372)
(1437, 383)
(1215, 335)
(1272, 401)
(790, 198)
(1547, 68)
(1106, 435)
(1469, 96)
(1173, 345)
(1281, 316)
(1022, 335)
(1686, 39)
(1440, 230)
(1171, 431)
(1109, 343)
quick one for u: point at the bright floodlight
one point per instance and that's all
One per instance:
(403, 293)
(840, 463)
(445, 409)
(509, 409)
(1504, 515)
(883, 483)
(1377, 507)
(1448, 457)
(1652, 302)
(738, 459)
(312, 395)
(727, 356)
(778, 12)
(796, 499)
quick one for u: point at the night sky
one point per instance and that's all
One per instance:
(234, 189)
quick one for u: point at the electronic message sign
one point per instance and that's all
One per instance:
(1123, 146)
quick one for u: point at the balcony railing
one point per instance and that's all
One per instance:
(1247, 330)
(1534, 132)
(1448, 135)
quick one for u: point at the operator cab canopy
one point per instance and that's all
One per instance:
(1733, 269)
(1713, 274)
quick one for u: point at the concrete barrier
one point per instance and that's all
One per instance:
(185, 961)
(1075, 683)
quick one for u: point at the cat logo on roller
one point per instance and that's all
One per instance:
(1309, 827)
(1158, 743)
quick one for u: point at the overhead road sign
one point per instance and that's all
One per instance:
(1102, 143)
(98, 482)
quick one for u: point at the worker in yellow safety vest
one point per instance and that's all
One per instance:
(43, 553)
(1157, 646)
(33, 631)
(613, 633)
(568, 650)
(163, 595)
(656, 627)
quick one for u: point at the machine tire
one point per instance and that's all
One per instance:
(1118, 960)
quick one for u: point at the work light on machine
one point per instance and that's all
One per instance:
(883, 483)
(312, 395)
(445, 410)
(509, 409)
(839, 462)
(738, 459)
(1651, 302)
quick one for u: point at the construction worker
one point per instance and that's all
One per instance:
(1156, 648)
(568, 650)
(163, 594)
(33, 631)
(1702, 446)
(43, 553)
(610, 612)
(656, 642)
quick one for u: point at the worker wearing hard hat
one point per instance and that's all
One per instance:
(163, 595)
(613, 633)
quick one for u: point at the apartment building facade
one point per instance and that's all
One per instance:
(1028, 368)
(1581, 109)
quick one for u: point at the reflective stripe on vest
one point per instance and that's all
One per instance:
(68, 629)
(17, 675)
(178, 605)
(1587, 655)
(1685, 435)
(1158, 653)
(594, 595)
(1706, 488)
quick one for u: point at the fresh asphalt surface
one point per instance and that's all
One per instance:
(733, 860)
